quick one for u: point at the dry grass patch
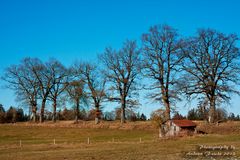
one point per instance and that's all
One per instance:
(71, 142)
(229, 127)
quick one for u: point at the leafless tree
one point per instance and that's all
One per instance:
(20, 79)
(161, 60)
(212, 67)
(60, 76)
(96, 85)
(121, 69)
(44, 77)
(77, 94)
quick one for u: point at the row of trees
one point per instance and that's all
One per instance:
(199, 114)
(35, 81)
(13, 115)
(204, 66)
(196, 114)
(68, 114)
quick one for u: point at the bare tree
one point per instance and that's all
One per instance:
(60, 76)
(212, 67)
(122, 68)
(76, 93)
(43, 75)
(20, 79)
(161, 60)
(96, 84)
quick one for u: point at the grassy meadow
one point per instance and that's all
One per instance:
(131, 141)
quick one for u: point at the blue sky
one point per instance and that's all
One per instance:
(75, 29)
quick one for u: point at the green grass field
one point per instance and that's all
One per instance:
(37, 142)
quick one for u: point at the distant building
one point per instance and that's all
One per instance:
(180, 127)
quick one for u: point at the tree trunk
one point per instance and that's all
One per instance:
(123, 107)
(96, 120)
(161, 131)
(34, 117)
(42, 110)
(54, 110)
(211, 115)
(76, 118)
(34, 110)
(97, 114)
(77, 111)
(123, 118)
(168, 111)
(166, 103)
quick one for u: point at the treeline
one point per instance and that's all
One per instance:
(172, 68)
(13, 115)
(197, 114)
(68, 114)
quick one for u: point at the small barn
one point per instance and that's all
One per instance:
(180, 127)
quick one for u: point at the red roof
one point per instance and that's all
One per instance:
(184, 123)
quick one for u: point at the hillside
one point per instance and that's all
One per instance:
(109, 140)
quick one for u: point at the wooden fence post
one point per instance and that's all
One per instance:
(88, 140)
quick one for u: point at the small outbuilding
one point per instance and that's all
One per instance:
(180, 127)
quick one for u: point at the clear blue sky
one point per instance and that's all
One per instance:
(77, 29)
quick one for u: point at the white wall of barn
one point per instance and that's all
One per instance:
(173, 129)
